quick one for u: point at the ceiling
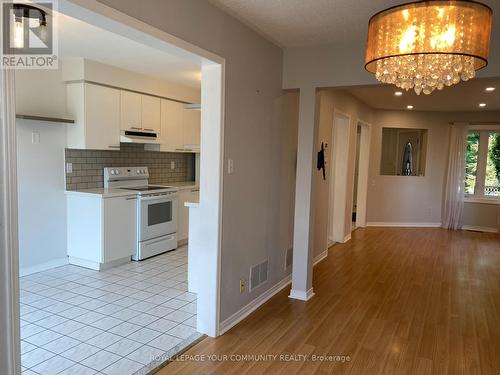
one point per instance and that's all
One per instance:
(465, 96)
(297, 23)
(80, 39)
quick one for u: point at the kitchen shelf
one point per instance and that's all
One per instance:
(43, 118)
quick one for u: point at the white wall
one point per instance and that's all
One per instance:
(75, 69)
(40, 92)
(41, 200)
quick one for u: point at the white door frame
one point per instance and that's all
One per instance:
(363, 173)
(10, 340)
(339, 159)
(211, 178)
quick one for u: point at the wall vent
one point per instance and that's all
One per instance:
(288, 258)
(258, 274)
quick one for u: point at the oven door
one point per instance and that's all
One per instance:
(157, 216)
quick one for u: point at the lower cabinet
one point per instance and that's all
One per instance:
(102, 232)
(185, 195)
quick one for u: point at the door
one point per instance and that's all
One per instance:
(130, 110)
(192, 129)
(120, 228)
(183, 221)
(102, 117)
(339, 212)
(158, 216)
(172, 134)
(151, 114)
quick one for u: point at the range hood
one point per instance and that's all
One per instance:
(134, 136)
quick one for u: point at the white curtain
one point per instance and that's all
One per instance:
(455, 179)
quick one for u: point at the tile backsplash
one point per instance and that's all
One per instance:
(88, 165)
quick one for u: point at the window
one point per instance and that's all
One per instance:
(483, 164)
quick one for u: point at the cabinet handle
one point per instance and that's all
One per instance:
(187, 149)
(131, 199)
(179, 149)
(135, 127)
(149, 130)
(113, 146)
(195, 190)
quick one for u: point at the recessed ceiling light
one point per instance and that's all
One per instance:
(482, 105)
(490, 89)
(398, 93)
(409, 107)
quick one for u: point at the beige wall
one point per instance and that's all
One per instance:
(412, 199)
(255, 137)
(330, 101)
(394, 199)
(408, 199)
(482, 215)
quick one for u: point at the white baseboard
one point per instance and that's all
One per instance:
(256, 303)
(301, 295)
(403, 225)
(480, 229)
(43, 266)
(318, 258)
(246, 310)
(347, 238)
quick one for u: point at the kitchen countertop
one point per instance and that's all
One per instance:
(183, 185)
(102, 192)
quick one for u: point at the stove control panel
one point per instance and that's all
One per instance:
(125, 173)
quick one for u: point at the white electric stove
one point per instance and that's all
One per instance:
(156, 209)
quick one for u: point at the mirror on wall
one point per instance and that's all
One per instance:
(403, 152)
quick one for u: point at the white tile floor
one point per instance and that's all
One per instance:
(78, 321)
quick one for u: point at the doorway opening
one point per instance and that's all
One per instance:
(361, 175)
(117, 315)
(356, 177)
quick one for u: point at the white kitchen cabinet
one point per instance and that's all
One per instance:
(171, 126)
(96, 110)
(101, 231)
(151, 114)
(130, 111)
(191, 129)
(185, 195)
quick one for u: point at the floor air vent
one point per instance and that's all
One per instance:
(258, 274)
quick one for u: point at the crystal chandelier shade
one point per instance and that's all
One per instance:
(427, 45)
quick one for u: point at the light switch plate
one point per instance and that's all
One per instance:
(230, 166)
(69, 167)
(172, 165)
(35, 138)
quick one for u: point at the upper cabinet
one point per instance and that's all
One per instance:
(180, 127)
(151, 114)
(130, 113)
(102, 113)
(171, 126)
(140, 112)
(192, 129)
(96, 110)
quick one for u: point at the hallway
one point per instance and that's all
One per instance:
(394, 300)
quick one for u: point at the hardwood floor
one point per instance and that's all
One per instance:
(395, 300)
